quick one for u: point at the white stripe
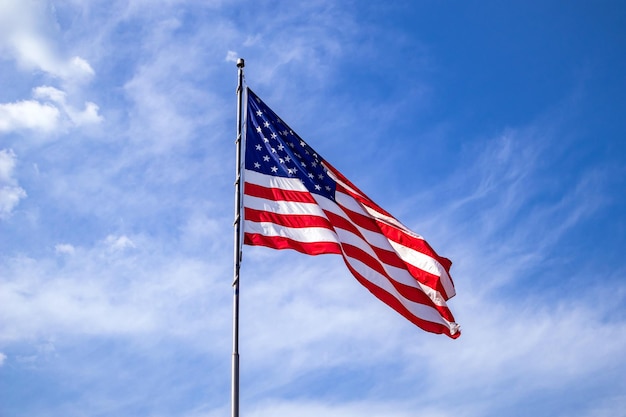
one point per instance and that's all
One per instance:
(399, 275)
(283, 207)
(306, 235)
(411, 256)
(379, 241)
(350, 203)
(354, 205)
(271, 181)
(425, 263)
(420, 260)
(371, 211)
(420, 311)
(339, 208)
(408, 255)
(373, 238)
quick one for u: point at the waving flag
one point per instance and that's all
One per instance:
(294, 199)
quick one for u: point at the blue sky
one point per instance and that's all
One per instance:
(494, 129)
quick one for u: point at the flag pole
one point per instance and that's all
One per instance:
(237, 254)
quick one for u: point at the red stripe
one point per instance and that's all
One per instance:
(277, 194)
(402, 237)
(280, 242)
(392, 302)
(391, 257)
(387, 256)
(287, 220)
(392, 232)
(302, 221)
(420, 245)
(349, 252)
(359, 195)
(364, 221)
(409, 292)
(428, 279)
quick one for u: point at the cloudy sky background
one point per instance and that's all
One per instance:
(496, 130)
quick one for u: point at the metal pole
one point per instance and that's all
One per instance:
(237, 254)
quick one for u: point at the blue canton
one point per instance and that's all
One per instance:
(272, 148)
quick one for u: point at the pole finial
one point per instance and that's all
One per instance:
(240, 63)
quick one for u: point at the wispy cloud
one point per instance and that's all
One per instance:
(26, 35)
(231, 56)
(10, 192)
(116, 269)
(77, 117)
(81, 298)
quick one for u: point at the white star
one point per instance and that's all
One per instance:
(274, 169)
(273, 150)
(257, 165)
(258, 129)
(311, 175)
(328, 188)
(266, 124)
(259, 113)
(280, 147)
(281, 160)
(320, 176)
(287, 158)
(266, 140)
(266, 158)
(258, 147)
(303, 164)
(317, 187)
(274, 135)
(313, 164)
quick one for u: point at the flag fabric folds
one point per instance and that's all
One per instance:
(294, 199)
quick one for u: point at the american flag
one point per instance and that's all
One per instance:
(294, 199)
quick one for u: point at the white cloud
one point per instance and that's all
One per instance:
(29, 115)
(78, 117)
(109, 290)
(28, 34)
(84, 117)
(49, 114)
(26, 30)
(231, 56)
(82, 67)
(64, 248)
(10, 192)
(119, 243)
(3, 357)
